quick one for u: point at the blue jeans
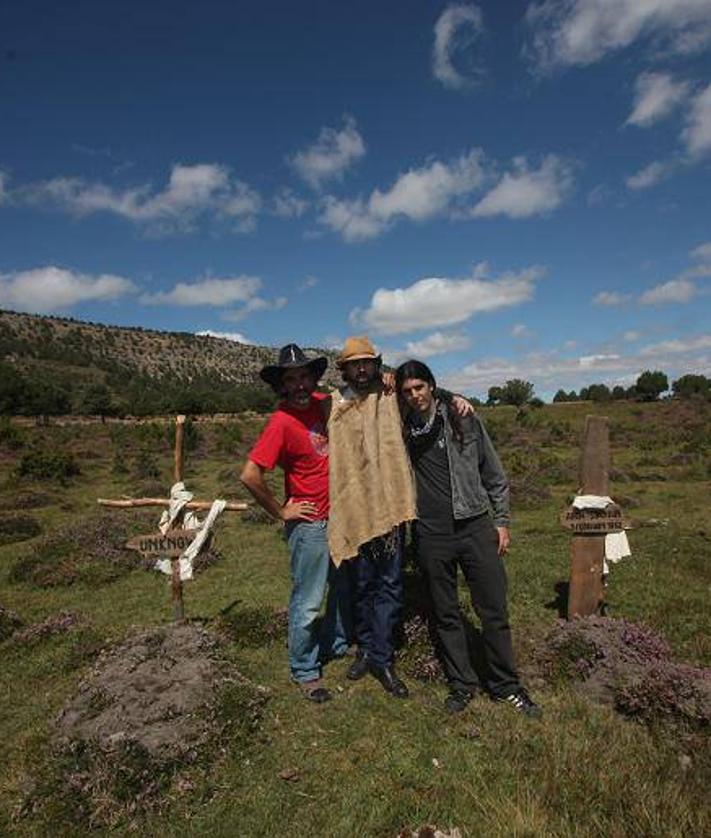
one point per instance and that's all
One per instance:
(377, 572)
(313, 640)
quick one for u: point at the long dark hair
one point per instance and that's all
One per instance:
(420, 370)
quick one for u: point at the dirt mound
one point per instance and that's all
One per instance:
(628, 665)
(153, 706)
(155, 690)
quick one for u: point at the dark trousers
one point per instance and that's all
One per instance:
(377, 583)
(473, 547)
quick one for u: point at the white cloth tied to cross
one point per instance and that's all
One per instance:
(179, 497)
(617, 546)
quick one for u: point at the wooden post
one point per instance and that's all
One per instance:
(179, 436)
(588, 551)
(176, 581)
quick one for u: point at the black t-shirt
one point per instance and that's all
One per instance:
(434, 490)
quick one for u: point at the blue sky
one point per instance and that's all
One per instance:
(503, 189)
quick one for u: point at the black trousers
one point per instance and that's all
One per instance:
(473, 547)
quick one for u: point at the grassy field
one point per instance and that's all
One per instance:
(364, 764)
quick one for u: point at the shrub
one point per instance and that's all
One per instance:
(145, 467)
(11, 437)
(39, 465)
(228, 437)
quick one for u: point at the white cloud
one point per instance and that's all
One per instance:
(252, 305)
(330, 156)
(455, 31)
(519, 330)
(543, 369)
(649, 175)
(3, 186)
(610, 298)
(307, 283)
(677, 347)
(599, 195)
(580, 32)
(287, 204)
(631, 336)
(191, 192)
(674, 291)
(418, 194)
(702, 252)
(48, 289)
(236, 337)
(656, 96)
(550, 370)
(697, 134)
(438, 301)
(437, 343)
(525, 192)
(207, 292)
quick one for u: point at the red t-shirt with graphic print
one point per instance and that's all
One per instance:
(296, 441)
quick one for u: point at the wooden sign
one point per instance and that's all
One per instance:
(172, 543)
(587, 552)
(594, 521)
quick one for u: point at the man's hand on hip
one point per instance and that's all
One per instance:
(302, 510)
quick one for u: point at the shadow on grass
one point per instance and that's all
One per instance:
(559, 602)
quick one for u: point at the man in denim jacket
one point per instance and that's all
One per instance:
(462, 521)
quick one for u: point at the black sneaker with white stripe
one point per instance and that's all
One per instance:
(520, 700)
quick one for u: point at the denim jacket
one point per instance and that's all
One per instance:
(475, 472)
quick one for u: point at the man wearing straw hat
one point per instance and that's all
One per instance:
(295, 439)
(371, 496)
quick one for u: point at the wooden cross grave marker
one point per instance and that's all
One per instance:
(590, 526)
(172, 543)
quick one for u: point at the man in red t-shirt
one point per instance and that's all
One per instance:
(295, 439)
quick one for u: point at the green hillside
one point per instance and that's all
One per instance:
(52, 365)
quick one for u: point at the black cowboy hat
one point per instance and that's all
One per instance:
(292, 357)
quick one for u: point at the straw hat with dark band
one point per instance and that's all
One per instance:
(357, 349)
(292, 357)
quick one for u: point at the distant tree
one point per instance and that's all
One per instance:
(599, 393)
(494, 395)
(650, 385)
(97, 401)
(618, 393)
(690, 385)
(45, 399)
(13, 390)
(631, 392)
(516, 391)
(562, 396)
(536, 402)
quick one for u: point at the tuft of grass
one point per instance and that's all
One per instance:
(14, 528)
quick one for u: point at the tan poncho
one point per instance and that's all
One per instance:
(371, 486)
